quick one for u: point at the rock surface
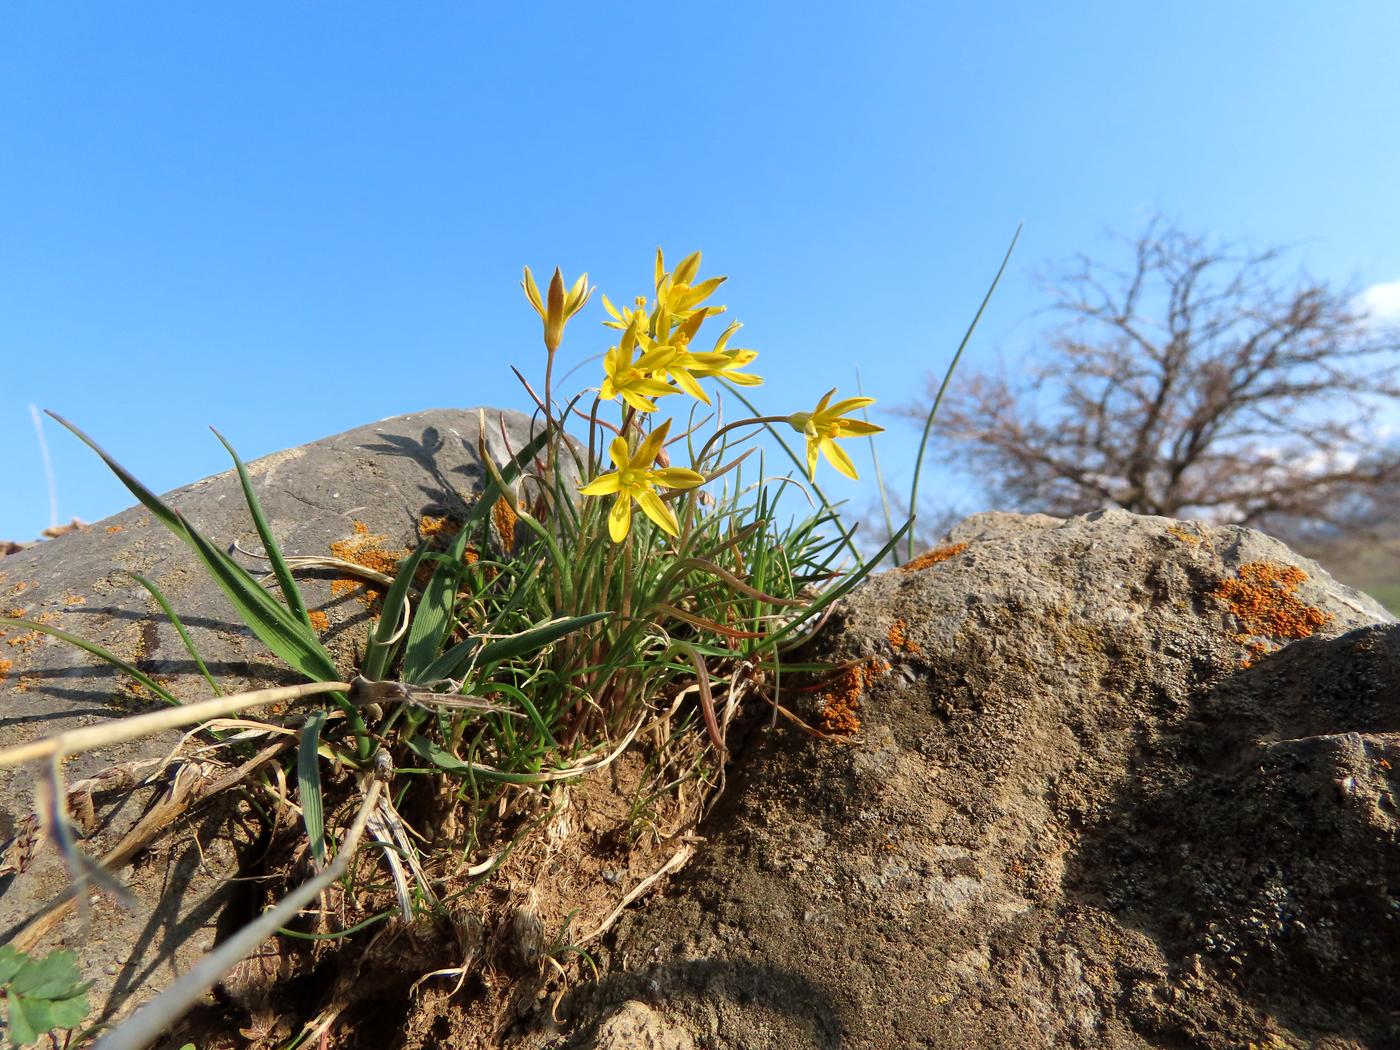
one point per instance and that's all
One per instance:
(1120, 782)
(364, 495)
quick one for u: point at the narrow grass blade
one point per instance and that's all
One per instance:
(801, 463)
(438, 756)
(502, 649)
(378, 651)
(97, 651)
(309, 786)
(433, 617)
(180, 628)
(827, 597)
(451, 662)
(947, 378)
(290, 591)
(266, 617)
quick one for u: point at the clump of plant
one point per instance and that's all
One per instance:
(622, 584)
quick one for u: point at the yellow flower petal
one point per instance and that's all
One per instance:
(620, 518)
(688, 268)
(846, 407)
(856, 428)
(532, 292)
(638, 402)
(677, 478)
(687, 382)
(649, 449)
(811, 457)
(839, 459)
(658, 512)
(603, 485)
(618, 452)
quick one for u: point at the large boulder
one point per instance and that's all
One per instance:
(366, 495)
(1118, 781)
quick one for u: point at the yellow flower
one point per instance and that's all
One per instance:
(677, 299)
(823, 425)
(621, 318)
(674, 362)
(721, 362)
(558, 307)
(630, 379)
(636, 478)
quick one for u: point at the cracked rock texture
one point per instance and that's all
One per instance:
(366, 490)
(1121, 781)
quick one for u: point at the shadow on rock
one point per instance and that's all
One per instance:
(1261, 840)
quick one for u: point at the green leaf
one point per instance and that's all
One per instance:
(11, 962)
(947, 378)
(97, 651)
(379, 652)
(449, 663)
(439, 756)
(42, 994)
(179, 627)
(309, 785)
(541, 634)
(290, 639)
(433, 619)
(290, 591)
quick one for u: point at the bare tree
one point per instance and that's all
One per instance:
(1195, 383)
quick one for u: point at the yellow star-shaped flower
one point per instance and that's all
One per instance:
(636, 478)
(629, 377)
(823, 425)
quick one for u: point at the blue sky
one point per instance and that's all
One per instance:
(289, 220)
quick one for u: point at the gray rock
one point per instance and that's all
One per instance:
(1136, 787)
(369, 488)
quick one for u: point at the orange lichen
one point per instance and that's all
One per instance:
(15, 613)
(113, 529)
(503, 516)
(898, 635)
(1180, 532)
(5, 666)
(367, 549)
(933, 557)
(842, 698)
(1264, 600)
(319, 620)
(429, 525)
(28, 639)
(73, 599)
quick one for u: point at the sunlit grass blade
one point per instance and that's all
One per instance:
(180, 629)
(947, 378)
(433, 618)
(438, 756)
(290, 591)
(267, 618)
(800, 461)
(97, 651)
(451, 662)
(379, 652)
(502, 649)
(841, 589)
(309, 786)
